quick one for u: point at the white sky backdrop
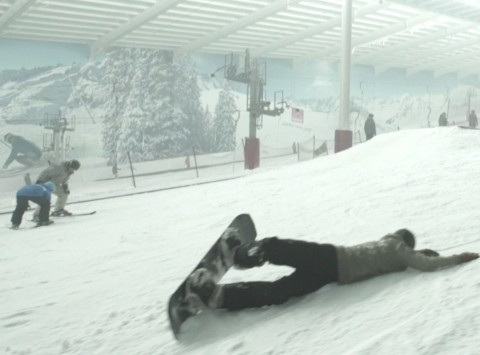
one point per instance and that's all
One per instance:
(100, 284)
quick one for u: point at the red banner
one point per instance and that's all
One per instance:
(297, 115)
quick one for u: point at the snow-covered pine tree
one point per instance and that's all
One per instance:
(224, 120)
(161, 116)
(174, 140)
(141, 125)
(116, 75)
(166, 133)
(186, 97)
(157, 104)
(134, 124)
(209, 134)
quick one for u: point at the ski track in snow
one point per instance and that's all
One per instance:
(100, 284)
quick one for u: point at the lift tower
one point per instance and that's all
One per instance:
(257, 106)
(57, 143)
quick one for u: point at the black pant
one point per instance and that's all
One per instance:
(22, 205)
(315, 266)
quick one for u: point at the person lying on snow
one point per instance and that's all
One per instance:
(316, 265)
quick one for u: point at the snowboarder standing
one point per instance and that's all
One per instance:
(317, 265)
(370, 128)
(23, 151)
(472, 119)
(40, 194)
(59, 175)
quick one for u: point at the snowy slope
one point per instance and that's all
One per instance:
(100, 284)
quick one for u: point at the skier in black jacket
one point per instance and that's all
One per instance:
(442, 120)
(316, 265)
(23, 151)
(370, 128)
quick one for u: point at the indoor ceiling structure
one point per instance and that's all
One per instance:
(442, 36)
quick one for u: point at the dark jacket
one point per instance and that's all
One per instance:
(472, 120)
(389, 254)
(21, 145)
(370, 128)
(442, 120)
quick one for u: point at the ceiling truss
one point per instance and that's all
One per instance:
(416, 35)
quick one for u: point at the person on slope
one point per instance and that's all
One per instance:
(59, 174)
(23, 151)
(472, 119)
(442, 120)
(370, 127)
(40, 194)
(316, 265)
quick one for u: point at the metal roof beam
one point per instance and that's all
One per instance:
(399, 26)
(451, 62)
(452, 66)
(13, 12)
(137, 21)
(426, 7)
(235, 26)
(413, 43)
(309, 32)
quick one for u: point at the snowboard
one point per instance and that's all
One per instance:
(75, 214)
(468, 127)
(218, 260)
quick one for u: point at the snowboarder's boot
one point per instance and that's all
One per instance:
(202, 292)
(249, 255)
(44, 223)
(61, 212)
(229, 242)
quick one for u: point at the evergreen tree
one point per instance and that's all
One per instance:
(132, 134)
(116, 72)
(209, 133)
(174, 139)
(159, 114)
(174, 120)
(224, 120)
(186, 97)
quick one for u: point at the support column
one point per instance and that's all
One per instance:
(343, 135)
(252, 143)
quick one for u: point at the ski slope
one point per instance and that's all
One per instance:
(100, 284)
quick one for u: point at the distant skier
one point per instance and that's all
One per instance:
(370, 128)
(59, 175)
(23, 151)
(442, 120)
(316, 265)
(115, 170)
(40, 194)
(472, 119)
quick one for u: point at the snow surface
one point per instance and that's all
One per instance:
(100, 284)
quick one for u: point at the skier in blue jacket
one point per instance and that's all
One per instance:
(40, 194)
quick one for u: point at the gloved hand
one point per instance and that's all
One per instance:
(66, 189)
(466, 257)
